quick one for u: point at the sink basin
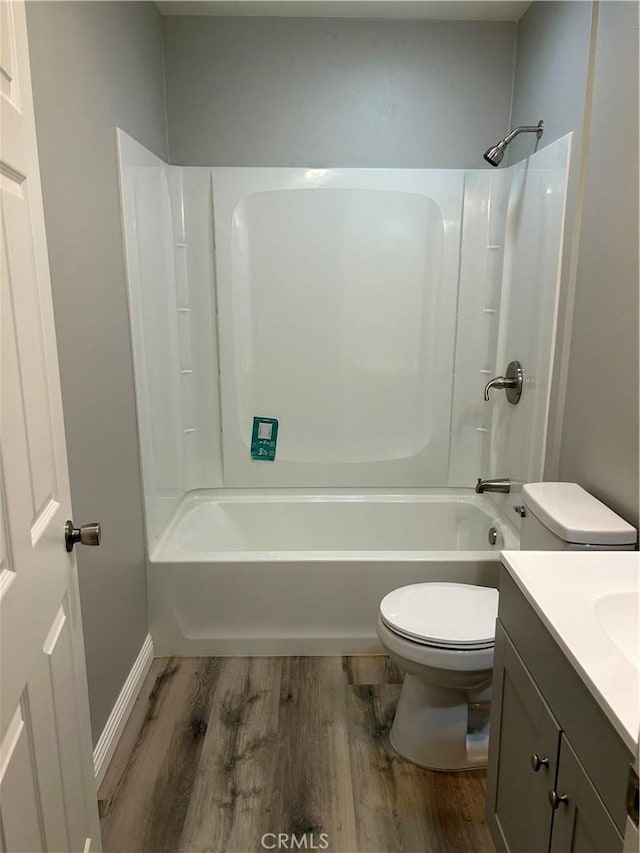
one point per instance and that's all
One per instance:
(617, 613)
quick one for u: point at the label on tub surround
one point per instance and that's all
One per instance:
(263, 439)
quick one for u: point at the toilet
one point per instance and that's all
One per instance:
(441, 635)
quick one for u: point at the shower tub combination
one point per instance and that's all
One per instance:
(364, 310)
(271, 572)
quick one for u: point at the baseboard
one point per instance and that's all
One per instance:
(172, 644)
(108, 740)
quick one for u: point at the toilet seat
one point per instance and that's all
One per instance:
(434, 657)
(435, 645)
(451, 616)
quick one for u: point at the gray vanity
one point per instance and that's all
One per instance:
(564, 720)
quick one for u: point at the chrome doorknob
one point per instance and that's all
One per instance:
(537, 762)
(86, 534)
(555, 799)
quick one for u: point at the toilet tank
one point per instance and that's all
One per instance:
(563, 517)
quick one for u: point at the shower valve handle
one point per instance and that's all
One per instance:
(511, 382)
(500, 382)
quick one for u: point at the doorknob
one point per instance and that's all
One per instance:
(86, 534)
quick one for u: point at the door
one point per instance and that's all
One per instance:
(47, 785)
(523, 755)
(582, 823)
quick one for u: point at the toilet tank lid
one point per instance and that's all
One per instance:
(576, 516)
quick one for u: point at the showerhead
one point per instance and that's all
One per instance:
(494, 155)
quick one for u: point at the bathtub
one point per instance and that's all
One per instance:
(291, 572)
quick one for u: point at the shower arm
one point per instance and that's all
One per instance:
(525, 128)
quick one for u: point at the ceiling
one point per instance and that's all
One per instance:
(442, 10)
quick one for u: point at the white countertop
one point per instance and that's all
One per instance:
(562, 587)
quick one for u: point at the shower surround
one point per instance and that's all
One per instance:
(364, 309)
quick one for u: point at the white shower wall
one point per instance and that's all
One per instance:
(362, 308)
(479, 294)
(195, 299)
(172, 311)
(530, 291)
(337, 297)
(150, 265)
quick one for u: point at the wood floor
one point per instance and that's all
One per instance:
(220, 751)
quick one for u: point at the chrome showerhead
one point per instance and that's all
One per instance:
(494, 155)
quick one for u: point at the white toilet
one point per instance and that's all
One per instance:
(442, 634)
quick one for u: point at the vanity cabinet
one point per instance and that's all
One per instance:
(557, 770)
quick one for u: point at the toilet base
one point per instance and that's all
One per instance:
(431, 723)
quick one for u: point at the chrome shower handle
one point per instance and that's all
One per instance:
(511, 382)
(500, 382)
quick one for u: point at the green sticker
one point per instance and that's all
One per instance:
(264, 438)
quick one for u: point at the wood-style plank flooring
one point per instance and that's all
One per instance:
(220, 751)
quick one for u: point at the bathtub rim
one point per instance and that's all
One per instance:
(167, 551)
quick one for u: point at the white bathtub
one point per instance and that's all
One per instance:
(289, 572)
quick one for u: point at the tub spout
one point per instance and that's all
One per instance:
(501, 485)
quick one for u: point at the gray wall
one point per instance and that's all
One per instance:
(579, 72)
(553, 60)
(553, 41)
(600, 435)
(95, 66)
(327, 92)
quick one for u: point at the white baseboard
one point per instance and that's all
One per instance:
(108, 740)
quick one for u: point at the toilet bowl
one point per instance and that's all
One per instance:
(441, 635)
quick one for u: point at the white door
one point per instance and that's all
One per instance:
(47, 785)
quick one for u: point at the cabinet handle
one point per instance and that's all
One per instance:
(555, 799)
(537, 762)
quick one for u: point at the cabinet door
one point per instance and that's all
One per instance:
(522, 727)
(582, 823)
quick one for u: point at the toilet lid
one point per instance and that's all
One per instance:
(455, 615)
